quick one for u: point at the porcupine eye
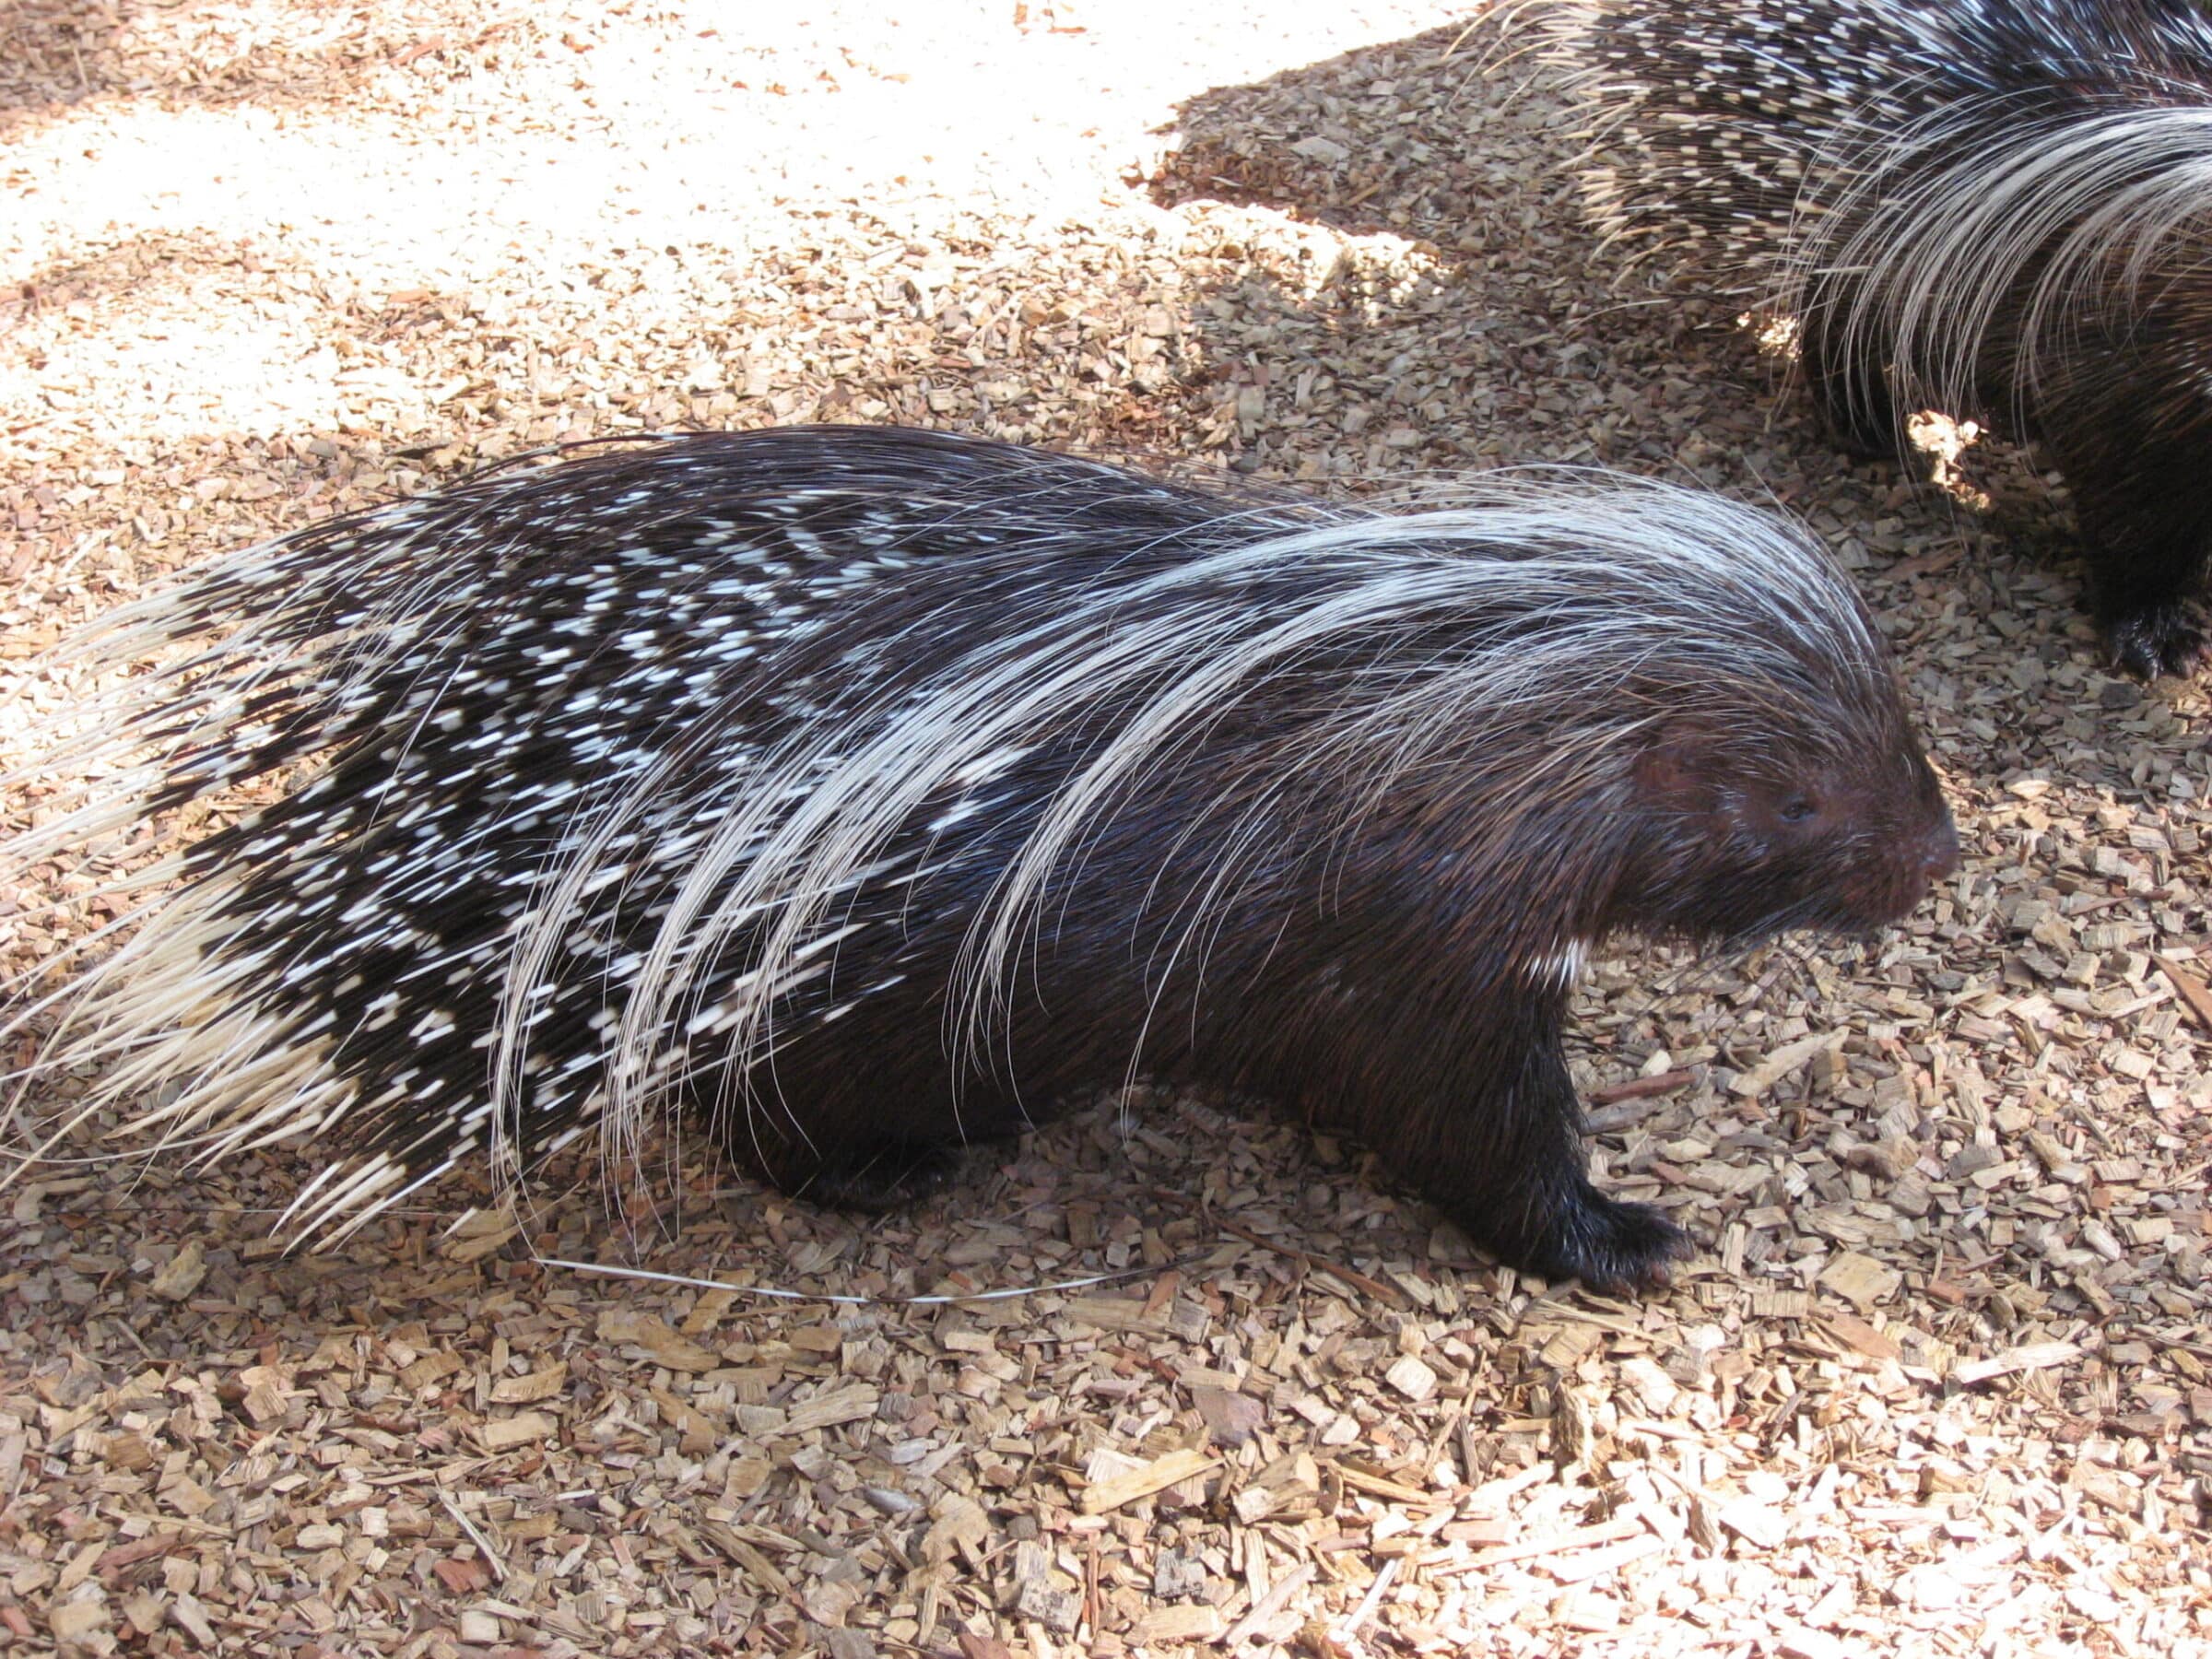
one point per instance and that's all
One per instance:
(1791, 819)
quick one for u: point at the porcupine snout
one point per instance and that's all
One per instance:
(1938, 853)
(1919, 848)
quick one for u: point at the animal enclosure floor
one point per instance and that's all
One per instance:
(1938, 1383)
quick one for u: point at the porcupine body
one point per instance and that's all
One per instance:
(863, 790)
(2000, 206)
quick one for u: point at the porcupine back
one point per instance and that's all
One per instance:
(2008, 202)
(861, 788)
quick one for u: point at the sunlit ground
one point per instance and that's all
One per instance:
(189, 250)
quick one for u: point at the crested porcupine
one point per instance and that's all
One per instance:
(864, 788)
(2005, 204)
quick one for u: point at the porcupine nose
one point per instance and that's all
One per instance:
(1928, 852)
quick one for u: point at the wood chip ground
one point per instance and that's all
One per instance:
(1939, 1382)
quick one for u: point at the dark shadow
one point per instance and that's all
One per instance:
(1327, 142)
(1470, 280)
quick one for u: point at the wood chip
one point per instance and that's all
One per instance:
(2194, 990)
(503, 1434)
(1156, 1475)
(184, 1273)
(1781, 1063)
(1860, 1279)
(2028, 1357)
(662, 1345)
(1411, 1378)
(1559, 1544)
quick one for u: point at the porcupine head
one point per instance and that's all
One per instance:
(1708, 824)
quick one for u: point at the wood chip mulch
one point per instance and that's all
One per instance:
(1939, 1383)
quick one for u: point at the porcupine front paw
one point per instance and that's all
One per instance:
(1611, 1246)
(2165, 638)
(884, 1178)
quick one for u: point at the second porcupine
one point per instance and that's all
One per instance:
(2006, 205)
(863, 787)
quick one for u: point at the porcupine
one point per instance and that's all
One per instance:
(864, 788)
(2006, 205)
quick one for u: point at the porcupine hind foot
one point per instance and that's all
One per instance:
(1852, 399)
(1610, 1245)
(887, 1177)
(2146, 605)
(1859, 434)
(2153, 623)
(2145, 526)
